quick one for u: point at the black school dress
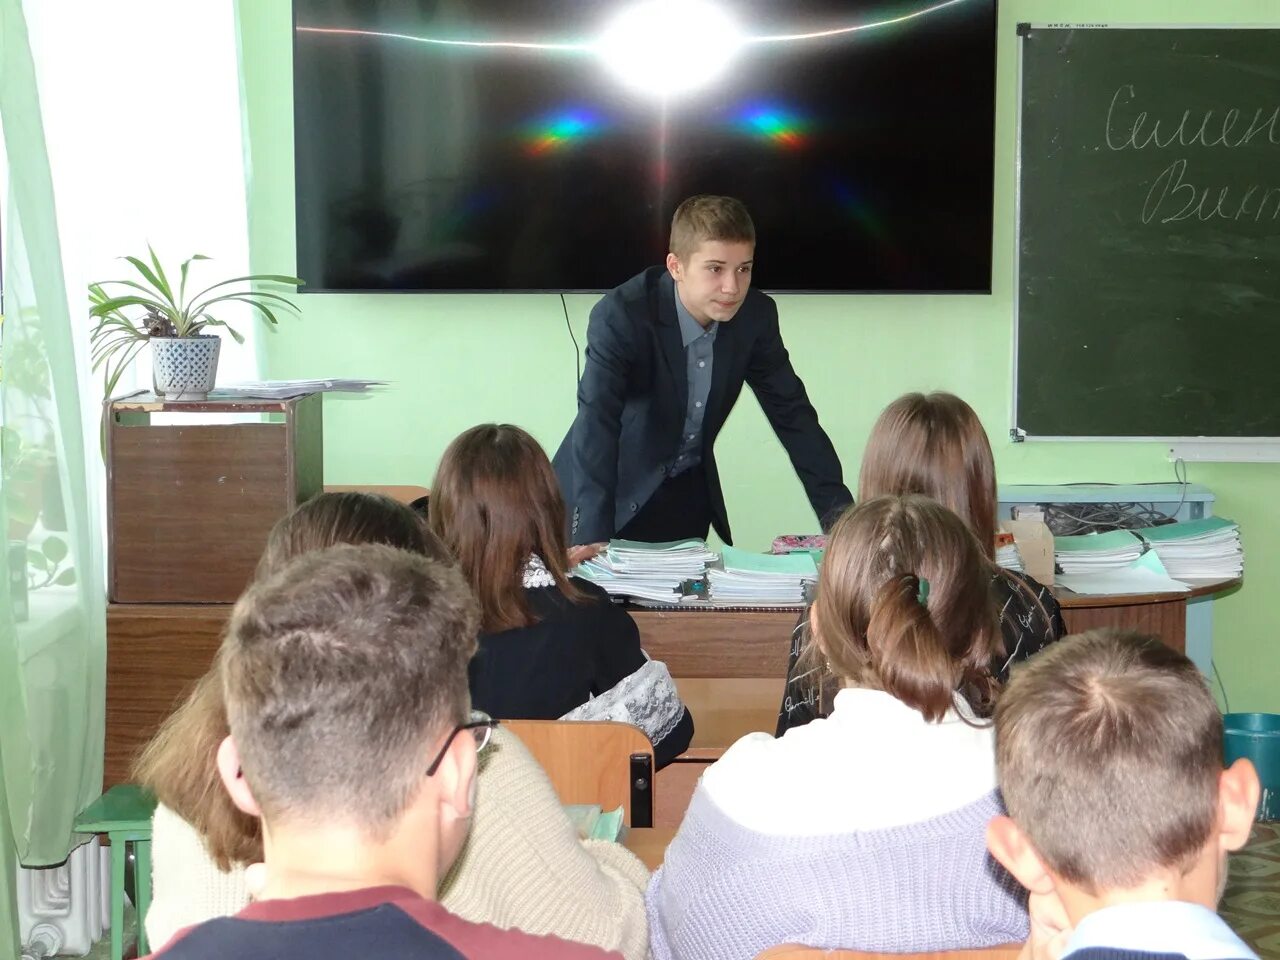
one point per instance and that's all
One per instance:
(579, 661)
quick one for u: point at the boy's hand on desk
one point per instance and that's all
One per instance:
(584, 552)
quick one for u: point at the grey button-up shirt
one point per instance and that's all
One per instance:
(698, 343)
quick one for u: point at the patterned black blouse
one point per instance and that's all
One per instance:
(1030, 620)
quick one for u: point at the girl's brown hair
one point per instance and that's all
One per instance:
(495, 502)
(934, 444)
(178, 764)
(880, 627)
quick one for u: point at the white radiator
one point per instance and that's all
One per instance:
(64, 909)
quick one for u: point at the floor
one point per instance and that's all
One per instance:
(102, 949)
(1251, 904)
(1252, 901)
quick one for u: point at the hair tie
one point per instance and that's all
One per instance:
(922, 593)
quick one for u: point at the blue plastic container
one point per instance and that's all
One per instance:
(1257, 736)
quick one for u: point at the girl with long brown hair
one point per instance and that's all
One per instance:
(935, 445)
(552, 646)
(864, 830)
(521, 867)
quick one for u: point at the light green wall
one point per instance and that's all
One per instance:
(458, 360)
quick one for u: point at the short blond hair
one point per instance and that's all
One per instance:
(703, 218)
(1109, 748)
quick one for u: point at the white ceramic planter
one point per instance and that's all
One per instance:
(185, 368)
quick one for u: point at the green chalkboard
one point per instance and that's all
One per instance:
(1149, 233)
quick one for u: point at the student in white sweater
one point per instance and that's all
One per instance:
(523, 866)
(864, 830)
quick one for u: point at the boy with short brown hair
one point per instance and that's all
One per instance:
(345, 680)
(1109, 757)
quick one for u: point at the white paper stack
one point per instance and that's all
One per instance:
(1096, 552)
(760, 579)
(284, 389)
(1008, 557)
(648, 571)
(1208, 548)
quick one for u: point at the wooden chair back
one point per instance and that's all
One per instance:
(1007, 952)
(592, 761)
(405, 494)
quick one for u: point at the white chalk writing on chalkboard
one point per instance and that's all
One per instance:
(1174, 196)
(1206, 203)
(1214, 130)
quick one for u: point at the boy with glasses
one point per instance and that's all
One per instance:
(345, 681)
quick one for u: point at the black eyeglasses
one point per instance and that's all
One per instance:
(481, 726)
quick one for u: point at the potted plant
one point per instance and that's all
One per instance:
(131, 313)
(29, 480)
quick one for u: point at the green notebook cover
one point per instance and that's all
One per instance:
(1186, 531)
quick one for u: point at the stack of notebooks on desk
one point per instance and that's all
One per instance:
(1007, 554)
(1151, 559)
(760, 579)
(1096, 553)
(1111, 563)
(648, 571)
(593, 823)
(1208, 548)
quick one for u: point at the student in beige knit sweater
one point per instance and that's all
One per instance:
(523, 865)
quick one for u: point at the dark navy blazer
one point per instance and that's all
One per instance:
(632, 399)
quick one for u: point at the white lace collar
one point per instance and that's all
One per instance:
(536, 573)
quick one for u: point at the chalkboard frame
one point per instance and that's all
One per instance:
(1230, 448)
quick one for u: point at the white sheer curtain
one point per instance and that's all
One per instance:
(142, 111)
(52, 621)
(139, 107)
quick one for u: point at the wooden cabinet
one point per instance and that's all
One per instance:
(193, 489)
(191, 495)
(155, 653)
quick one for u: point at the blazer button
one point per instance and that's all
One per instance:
(634, 508)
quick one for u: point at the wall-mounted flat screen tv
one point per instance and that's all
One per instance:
(504, 145)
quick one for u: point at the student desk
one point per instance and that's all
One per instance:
(729, 666)
(649, 843)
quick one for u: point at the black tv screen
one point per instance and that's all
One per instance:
(455, 145)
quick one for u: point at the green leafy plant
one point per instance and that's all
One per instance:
(45, 566)
(128, 313)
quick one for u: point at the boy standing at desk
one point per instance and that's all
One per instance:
(667, 355)
(1109, 754)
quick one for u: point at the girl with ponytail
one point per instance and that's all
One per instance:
(934, 444)
(864, 830)
(903, 607)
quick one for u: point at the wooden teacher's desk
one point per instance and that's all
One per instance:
(729, 666)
